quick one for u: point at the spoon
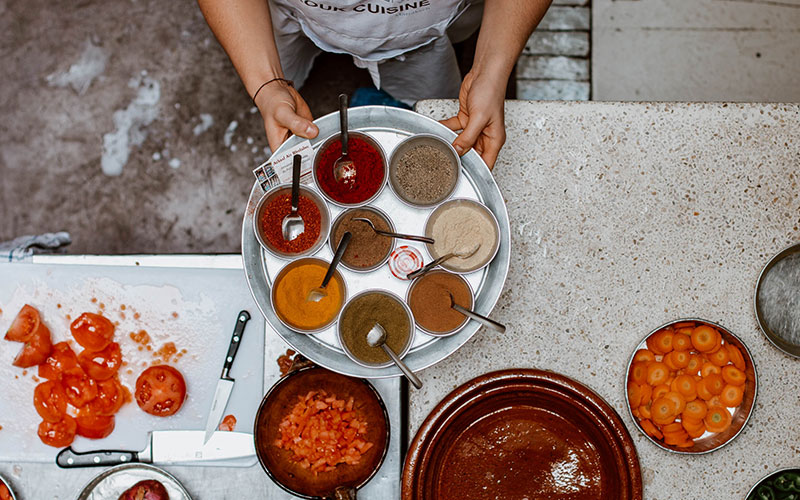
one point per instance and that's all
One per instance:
(390, 234)
(317, 294)
(494, 325)
(376, 337)
(293, 225)
(448, 256)
(344, 170)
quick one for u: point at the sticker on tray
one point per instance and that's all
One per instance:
(404, 260)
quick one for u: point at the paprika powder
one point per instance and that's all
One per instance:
(369, 171)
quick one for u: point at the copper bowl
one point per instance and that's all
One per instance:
(279, 401)
(522, 433)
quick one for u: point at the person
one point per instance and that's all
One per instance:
(406, 45)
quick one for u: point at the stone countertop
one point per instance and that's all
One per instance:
(625, 216)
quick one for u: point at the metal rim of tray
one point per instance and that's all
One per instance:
(88, 489)
(774, 339)
(407, 122)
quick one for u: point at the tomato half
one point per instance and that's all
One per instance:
(58, 434)
(94, 426)
(50, 401)
(36, 349)
(160, 390)
(110, 397)
(79, 386)
(92, 331)
(23, 325)
(101, 365)
(61, 359)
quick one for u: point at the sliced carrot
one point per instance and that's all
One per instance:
(717, 345)
(686, 444)
(681, 359)
(634, 394)
(736, 356)
(702, 391)
(659, 391)
(657, 373)
(664, 340)
(691, 424)
(695, 409)
(681, 342)
(718, 419)
(714, 383)
(733, 375)
(720, 358)
(644, 355)
(652, 345)
(714, 401)
(674, 438)
(732, 395)
(709, 368)
(683, 324)
(673, 427)
(696, 433)
(668, 361)
(635, 412)
(704, 338)
(647, 392)
(639, 372)
(695, 363)
(677, 400)
(651, 429)
(663, 421)
(662, 409)
(644, 411)
(686, 386)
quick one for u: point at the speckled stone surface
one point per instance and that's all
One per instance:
(624, 217)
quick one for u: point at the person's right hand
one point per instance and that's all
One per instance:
(284, 112)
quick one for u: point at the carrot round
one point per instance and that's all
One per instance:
(651, 429)
(683, 324)
(681, 359)
(714, 383)
(691, 424)
(733, 375)
(709, 368)
(677, 400)
(704, 338)
(647, 392)
(702, 391)
(644, 411)
(639, 372)
(676, 437)
(717, 344)
(673, 427)
(736, 356)
(686, 444)
(720, 358)
(681, 342)
(695, 363)
(696, 433)
(718, 419)
(695, 409)
(686, 386)
(732, 395)
(668, 361)
(657, 373)
(652, 345)
(644, 355)
(663, 409)
(659, 391)
(663, 340)
(634, 394)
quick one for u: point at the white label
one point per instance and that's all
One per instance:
(282, 165)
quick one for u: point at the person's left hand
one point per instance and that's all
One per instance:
(480, 117)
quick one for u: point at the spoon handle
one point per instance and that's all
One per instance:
(343, 121)
(494, 325)
(429, 266)
(401, 236)
(296, 161)
(337, 257)
(411, 376)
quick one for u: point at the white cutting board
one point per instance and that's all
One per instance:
(205, 302)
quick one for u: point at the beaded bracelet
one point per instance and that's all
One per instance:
(287, 82)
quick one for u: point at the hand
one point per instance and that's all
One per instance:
(284, 112)
(480, 116)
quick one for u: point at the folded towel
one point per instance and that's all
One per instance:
(24, 247)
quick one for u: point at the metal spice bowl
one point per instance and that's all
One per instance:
(381, 214)
(761, 302)
(423, 140)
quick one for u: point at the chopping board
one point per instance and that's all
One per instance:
(195, 309)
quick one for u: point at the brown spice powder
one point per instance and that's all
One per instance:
(366, 248)
(430, 301)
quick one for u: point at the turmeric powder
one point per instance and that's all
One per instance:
(291, 291)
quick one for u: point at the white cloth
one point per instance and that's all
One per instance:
(24, 247)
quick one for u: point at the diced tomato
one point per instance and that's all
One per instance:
(24, 324)
(101, 365)
(94, 426)
(61, 359)
(36, 349)
(160, 390)
(92, 331)
(80, 387)
(58, 434)
(110, 397)
(50, 401)
(228, 423)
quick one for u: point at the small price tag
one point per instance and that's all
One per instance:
(279, 169)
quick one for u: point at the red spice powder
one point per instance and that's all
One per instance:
(369, 171)
(280, 207)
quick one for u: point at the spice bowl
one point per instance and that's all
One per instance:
(361, 313)
(774, 300)
(705, 441)
(361, 149)
(424, 170)
(782, 481)
(449, 227)
(272, 196)
(427, 297)
(364, 240)
(290, 291)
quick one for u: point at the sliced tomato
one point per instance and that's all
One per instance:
(4, 493)
(24, 324)
(228, 423)
(61, 359)
(58, 434)
(101, 365)
(36, 349)
(110, 398)
(160, 390)
(94, 426)
(92, 331)
(50, 401)
(80, 387)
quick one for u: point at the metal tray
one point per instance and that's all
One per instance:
(113, 482)
(388, 126)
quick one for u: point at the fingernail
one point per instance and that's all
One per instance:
(310, 130)
(459, 149)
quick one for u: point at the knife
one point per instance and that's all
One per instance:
(168, 447)
(225, 383)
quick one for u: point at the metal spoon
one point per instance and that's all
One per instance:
(344, 170)
(494, 325)
(317, 294)
(293, 225)
(437, 262)
(376, 337)
(390, 234)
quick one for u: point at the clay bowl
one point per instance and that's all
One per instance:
(522, 433)
(279, 401)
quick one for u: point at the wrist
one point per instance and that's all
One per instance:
(268, 90)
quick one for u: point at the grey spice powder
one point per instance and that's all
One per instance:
(424, 174)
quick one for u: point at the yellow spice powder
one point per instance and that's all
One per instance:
(291, 292)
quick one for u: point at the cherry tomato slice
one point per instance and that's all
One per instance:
(24, 324)
(59, 434)
(79, 386)
(36, 349)
(92, 331)
(101, 365)
(50, 401)
(228, 423)
(61, 359)
(160, 390)
(94, 426)
(110, 398)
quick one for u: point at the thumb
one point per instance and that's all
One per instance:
(298, 125)
(467, 138)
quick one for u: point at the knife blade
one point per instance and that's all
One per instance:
(225, 384)
(168, 447)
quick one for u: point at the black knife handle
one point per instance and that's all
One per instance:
(236, 339)
(69, 458)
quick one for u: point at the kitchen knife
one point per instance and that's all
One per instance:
(168, 447)
(225, 383)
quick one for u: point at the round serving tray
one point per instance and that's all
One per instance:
(388, 126)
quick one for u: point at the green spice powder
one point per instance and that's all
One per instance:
(359, 317)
